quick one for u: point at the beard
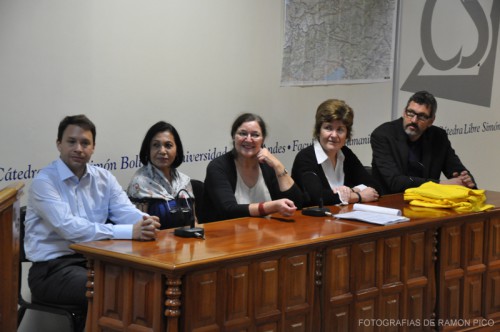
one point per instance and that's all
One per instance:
(413, 130)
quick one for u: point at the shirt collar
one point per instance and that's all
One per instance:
(321, 155)
(65, 173)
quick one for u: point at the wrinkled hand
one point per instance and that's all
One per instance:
(146, 229)
(264, 156)
(344, 193)
(466, 179)
(283, 206)
(369, 195)
(461, 179)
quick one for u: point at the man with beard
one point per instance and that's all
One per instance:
(410, 151)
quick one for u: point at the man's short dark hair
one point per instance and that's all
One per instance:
(78, 120)
(424, 98)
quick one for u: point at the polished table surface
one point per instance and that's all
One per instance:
(313, 273)
(239, 237)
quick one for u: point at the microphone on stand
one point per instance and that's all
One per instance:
(187, 214)
(314, 191)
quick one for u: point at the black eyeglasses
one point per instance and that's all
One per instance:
(420, 116)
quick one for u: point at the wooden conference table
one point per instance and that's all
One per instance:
(438, 271)
(9, 255)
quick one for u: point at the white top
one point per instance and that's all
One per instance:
(334, 175)
(255, 194)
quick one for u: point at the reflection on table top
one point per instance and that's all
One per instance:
(236, 238)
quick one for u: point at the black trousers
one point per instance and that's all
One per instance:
(61, 281)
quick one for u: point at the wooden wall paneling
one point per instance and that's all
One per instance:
(475, 268)
(112, 295)
(266, 293)
(298, 293)
(237, 313)
(128, 297)
(451, 273)
(201, 291)
(268, 327)
(364, 263)
(414, 276)
(492, 289)
(418, 277)
(9, 242)
(389, 279)
(9, 255)
(146, 292)
(338, 297)
(365, 290)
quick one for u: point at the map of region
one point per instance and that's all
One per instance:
(338, 41)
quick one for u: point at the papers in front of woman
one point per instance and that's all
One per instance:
(373, 214)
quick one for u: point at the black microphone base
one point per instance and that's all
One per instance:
(315, 211)
(187, 231)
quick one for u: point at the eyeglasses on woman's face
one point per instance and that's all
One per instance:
(244, 134)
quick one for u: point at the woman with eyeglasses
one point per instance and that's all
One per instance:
(341, 177)
(248, 180)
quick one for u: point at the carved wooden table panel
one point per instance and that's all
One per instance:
(302, 274)
(469, 270)
(9, 256)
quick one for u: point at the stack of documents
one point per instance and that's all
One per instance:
(373, 214)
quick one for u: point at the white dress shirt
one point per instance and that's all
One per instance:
(63, 209)
(334, 175)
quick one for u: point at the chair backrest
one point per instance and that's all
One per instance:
(22, 216)
(140, 203)
(22, 252)
(198, 187)
(74, 315)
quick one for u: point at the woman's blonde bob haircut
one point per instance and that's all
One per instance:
(331, 110)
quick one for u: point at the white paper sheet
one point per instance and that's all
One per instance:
(373, 214)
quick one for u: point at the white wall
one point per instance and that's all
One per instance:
(127, 64)
(454, 32)
(197, 64)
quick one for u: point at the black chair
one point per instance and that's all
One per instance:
(198, 187)
(74, 314)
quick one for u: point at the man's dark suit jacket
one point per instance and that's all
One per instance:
(390, 157)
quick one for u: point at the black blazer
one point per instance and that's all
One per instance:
(390, 157)
(355, 174)
(219, 202)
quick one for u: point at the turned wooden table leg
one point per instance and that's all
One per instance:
(173, 303)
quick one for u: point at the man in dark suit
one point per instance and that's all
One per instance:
(410, 151)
